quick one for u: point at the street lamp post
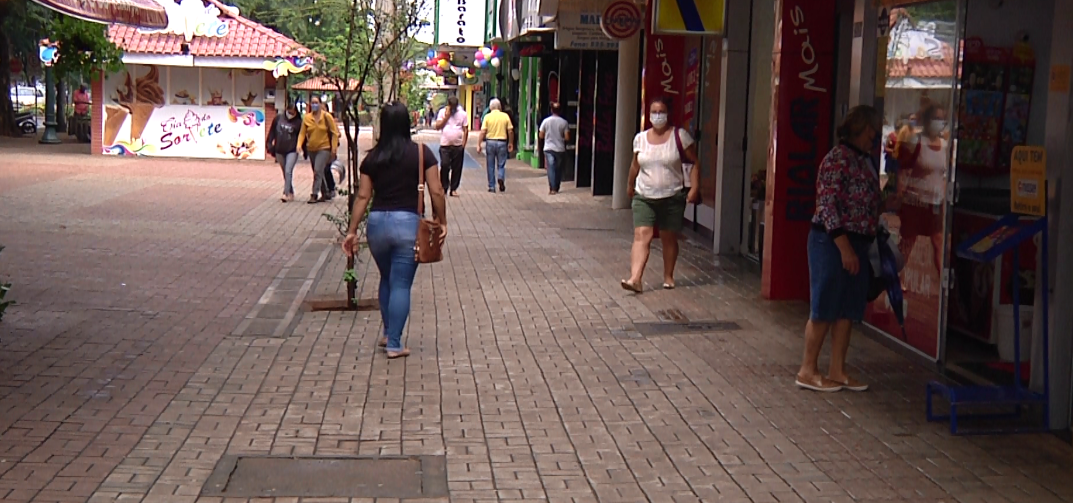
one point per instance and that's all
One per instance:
(48, 57)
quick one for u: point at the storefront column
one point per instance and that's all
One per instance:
(734, 105)
(629, 66)
(1058, 137)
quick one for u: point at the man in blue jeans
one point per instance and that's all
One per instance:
(555, 132)
(498, 131)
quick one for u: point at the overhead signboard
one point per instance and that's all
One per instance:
(460, 23)
(689, 17)
(579, 27)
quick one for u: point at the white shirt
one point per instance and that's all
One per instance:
(929, 188)
(661, 175)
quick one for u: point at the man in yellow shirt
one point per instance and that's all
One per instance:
(319, 139)
(498, 131)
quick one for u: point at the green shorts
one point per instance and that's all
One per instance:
(667, 213)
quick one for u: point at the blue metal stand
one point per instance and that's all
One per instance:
(1005, 235)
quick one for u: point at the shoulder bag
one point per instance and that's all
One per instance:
(427, 248)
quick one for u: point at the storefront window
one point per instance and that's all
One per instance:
(917, 92)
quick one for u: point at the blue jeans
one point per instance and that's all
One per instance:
(554, 163)
(286, 163)
(392, 236)
(497, 161)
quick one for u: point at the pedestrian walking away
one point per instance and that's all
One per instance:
(453, 124)
(657, 187)
(389, 173)
(848, 203)
(319, 139)
(555, 131)
(497, 133)
(282, 143)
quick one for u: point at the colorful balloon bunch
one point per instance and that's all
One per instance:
(440, 62)
(487, 56)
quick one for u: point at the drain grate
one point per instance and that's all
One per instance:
(664, 328)
(329, 477)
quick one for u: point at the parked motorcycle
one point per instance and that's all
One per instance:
(26, 122)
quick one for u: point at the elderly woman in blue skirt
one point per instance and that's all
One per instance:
(848, 202)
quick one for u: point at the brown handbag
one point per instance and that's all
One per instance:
(427, 249)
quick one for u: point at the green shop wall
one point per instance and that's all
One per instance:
(528, 110)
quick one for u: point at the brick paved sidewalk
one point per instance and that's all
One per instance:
(529, 372)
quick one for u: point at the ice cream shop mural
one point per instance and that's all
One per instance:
(204, 87)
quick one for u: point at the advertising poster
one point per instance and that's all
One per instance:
(139, 120)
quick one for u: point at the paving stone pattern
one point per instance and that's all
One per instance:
(120, 379)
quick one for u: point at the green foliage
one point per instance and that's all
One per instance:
(349, 275)
(84, 49)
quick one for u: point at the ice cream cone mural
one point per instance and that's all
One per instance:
(139, 120)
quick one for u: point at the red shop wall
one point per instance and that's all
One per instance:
(801, 125)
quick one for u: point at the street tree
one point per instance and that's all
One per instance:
(375, 33)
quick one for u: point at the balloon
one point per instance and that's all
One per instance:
(444, 64)
(478, 55)
(487, 53)
(431, 54)
(477, 64)
(495, 62)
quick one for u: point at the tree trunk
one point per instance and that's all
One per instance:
(7, 111)
(61, 105)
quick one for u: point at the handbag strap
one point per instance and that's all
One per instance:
(421, 179)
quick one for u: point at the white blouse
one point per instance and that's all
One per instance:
(661, 175)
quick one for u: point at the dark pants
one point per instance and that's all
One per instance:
(451, 158)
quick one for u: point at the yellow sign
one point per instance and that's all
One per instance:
(1028, 181)
(691, 17)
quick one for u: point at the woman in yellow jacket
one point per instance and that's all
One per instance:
(319, 139)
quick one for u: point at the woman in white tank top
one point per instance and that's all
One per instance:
(923, 186)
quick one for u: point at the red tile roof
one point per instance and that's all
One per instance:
(245, 39)
(323, 84)
(924, 68)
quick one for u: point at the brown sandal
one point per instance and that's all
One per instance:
(626, 285)
(383, 342)
(818, 383)
(391, 355)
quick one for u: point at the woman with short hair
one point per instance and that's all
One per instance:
(848, 202)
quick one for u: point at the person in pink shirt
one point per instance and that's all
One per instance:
(453, 123)
(81, 99)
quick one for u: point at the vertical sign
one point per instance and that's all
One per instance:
(800, 137)
(460, 23)
(1028, 181)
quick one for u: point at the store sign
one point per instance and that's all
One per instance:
(689, 17)
(800, 138)
(192, 18)
(205, 132)
(622, 19)
(579, 27)
(461, 22)
(1028, 181)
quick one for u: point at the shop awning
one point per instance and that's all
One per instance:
(141, 13)
(920, 83)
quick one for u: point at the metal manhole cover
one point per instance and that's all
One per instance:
(658, 329)
(328, 477)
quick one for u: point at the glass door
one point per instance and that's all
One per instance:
(917, 59)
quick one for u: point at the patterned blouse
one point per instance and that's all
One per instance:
(848, 198)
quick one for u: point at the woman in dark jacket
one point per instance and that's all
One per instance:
(283, 145)
(848, 203)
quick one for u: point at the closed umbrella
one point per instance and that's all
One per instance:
(887, 263)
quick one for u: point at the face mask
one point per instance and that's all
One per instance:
(913, 123)
(658, 119)
(937, 126)
(291, 115)
(314, 107)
